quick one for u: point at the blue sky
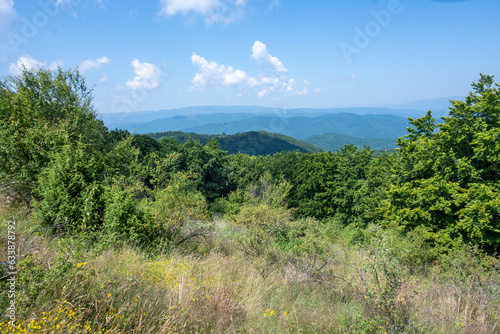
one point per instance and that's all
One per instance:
(160, 54)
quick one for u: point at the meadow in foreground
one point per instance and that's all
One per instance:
(211, 285)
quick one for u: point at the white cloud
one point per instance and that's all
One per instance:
(291, 91)
(211, 74)
(7, 13)
(260, 54)
(93, 63)
(147, 76)
(203, 7)
(213, 11)
(31, 63)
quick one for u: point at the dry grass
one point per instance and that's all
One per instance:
(68, 287)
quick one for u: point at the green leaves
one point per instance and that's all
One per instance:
(449, 180)
(40, 112)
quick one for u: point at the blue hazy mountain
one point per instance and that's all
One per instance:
(214, 114)
(301, 123)
(129, 119)
(180, 122)
(301, 127)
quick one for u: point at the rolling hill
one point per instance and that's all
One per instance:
(253, 143)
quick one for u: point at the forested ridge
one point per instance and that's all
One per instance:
(252, 142)
(347, 241)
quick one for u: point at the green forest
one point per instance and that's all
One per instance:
(118, 232)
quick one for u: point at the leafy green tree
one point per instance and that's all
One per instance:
(83, 188)
(352, 173)
(40, 112)
(327, 184)
(208, 164)
(127, 215)
(246, 169)
(373, 189)
(449, 180)
(146, 144)
(311, 183)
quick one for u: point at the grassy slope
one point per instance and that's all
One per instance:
(67, 286)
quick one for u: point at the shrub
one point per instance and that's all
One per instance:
(263, 217)
(177, 207)
(71, 189)
(127, 217)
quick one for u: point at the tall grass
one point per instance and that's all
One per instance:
(66, 285)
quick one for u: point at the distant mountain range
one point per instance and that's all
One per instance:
(415, 109)
(300, 127)
(328, 128)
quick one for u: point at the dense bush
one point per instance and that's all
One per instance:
(70, 189)
(448, 181)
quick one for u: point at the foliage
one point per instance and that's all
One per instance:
(177, 206)
(40, 112)
(71, 188)
(127, 217)
(263, 217)
(208, 164)
(449, 179)
(68, 285)
(329, 184)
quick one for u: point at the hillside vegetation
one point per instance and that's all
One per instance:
(252, 143)
(120, 233)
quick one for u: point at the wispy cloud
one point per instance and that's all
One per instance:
(104, 79)
(347, 77)
(212, 11)
(93, 63)
(212, 75)
(147, 76)
(31, 63)
(85, 4)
